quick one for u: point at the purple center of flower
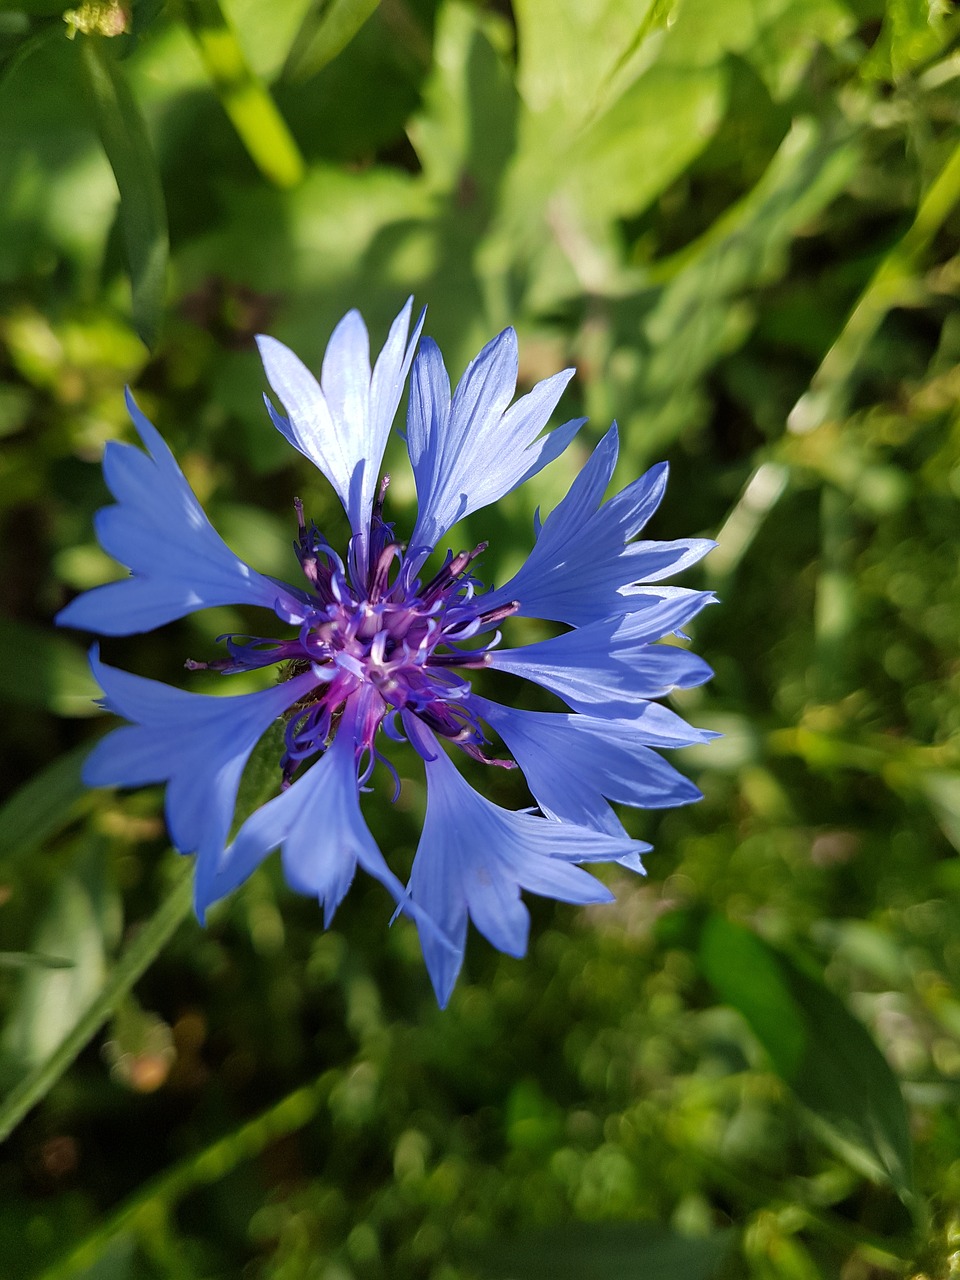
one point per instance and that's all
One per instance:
(380, 634)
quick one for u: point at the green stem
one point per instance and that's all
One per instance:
(252, 111)
(146, 945)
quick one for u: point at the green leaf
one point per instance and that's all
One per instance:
(942, 790)
(634, 1251)
(666, 117)
(50, 1000)
(817, 1047)
(570, 50)
(327, 29)
(143, 215)
(252, 111)
(42, 806)
(261, 776)
(913, 31)
(45, 670)
(116, 1262)
(141, 952)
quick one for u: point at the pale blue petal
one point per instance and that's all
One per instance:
(159, 531)
(582, 566)
(606, 668)
(574, 764)
(198, 745)
(469, 453)
(342, 422)
(474, 858)
(318, 824)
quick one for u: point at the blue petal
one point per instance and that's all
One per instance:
(574, 764)
(318, 823)
(342, 423)
(469, 453)
(582, 566)
(198, 745)
(608, 667)
(474, 858)
(159, 531)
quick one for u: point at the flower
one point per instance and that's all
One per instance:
(378, 649)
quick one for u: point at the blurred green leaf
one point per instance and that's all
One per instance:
(86, 1018)
(570, 52)
(252, 111)
(45, 670)
(327, 28)
(42, 806)
(913, 31)
(634, 1251)
(644, 141)
(699, 317)
(817, 1047)
(942, 790)
(143, 217)
(115, 1263)
(50, 1001)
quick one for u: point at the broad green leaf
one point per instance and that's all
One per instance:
(327, 29)
(569, 51)
(817, 1047)
(634, 1251)
(42, 806)
(143, 217)
(42, 669)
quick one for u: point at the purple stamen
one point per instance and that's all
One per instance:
(391, 643)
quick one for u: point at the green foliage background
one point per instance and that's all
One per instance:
(738, 219)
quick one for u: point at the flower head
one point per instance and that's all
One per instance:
(376, 648)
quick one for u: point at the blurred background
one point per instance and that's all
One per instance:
(737, 218)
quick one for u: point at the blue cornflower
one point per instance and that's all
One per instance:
(376, 649)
